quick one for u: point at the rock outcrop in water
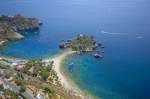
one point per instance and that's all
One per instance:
(83, 43)
(10, 26)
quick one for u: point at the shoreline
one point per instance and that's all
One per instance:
(58, 59)
(66, 82)
(11, 59)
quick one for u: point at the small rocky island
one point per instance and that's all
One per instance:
(83, 43)
(10, 27)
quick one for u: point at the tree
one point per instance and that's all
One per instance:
(44, 74)
(22, 88)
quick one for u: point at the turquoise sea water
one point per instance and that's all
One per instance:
(122, 26)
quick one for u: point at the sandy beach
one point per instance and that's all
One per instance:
(65, 81)
(57, 66)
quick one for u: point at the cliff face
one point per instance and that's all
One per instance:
(11, 25)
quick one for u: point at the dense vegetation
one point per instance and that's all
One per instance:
(80, 43)
(42, 70)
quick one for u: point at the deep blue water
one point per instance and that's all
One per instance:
(123, 73)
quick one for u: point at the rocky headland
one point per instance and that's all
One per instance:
(10, 27)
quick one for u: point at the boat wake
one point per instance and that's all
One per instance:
(138, 35)
(111, 33)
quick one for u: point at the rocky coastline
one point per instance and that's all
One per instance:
(83, 44)
(10, 27)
